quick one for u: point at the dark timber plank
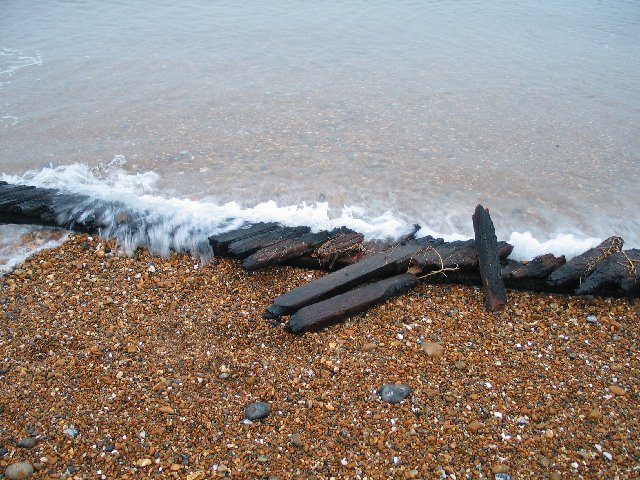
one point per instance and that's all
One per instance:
(289, 249)
(350, 303)
(495, 293)
(578, 268)
(247, 246)
(621, 270)
(380, 265)
(220, 242)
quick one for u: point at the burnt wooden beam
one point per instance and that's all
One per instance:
(572, 273)
(380, 265)
(342, 249)
(620, 270)
(460, 255)
(243, 248)
(341, 306)
(288, 249)
(221, 241)
(493, 287)
(538, 268)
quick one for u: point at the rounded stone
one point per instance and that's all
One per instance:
(257, 410)
(19, 471)
(28, 442)
(394, 393)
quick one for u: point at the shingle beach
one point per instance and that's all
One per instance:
(141, 367)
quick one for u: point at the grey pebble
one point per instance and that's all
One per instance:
(3, 451)
(19, 471)
(257, 410)
(394, 393)
(502, 476)
(71, 431)
(28, 442)
(296, 440)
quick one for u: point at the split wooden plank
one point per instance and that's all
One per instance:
(381, 265)
(290, 248)
(572, 273)
(347, 304)
(493, 287)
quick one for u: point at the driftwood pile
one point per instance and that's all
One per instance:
(363, 273)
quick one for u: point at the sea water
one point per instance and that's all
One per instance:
(376, 115)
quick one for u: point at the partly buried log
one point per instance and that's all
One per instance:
(380, 265)
(350, 303)
(571, 274)
(495, 294)
(291, 248)
(618, 271)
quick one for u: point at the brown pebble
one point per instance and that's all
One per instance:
(595, 414)
(499, 468)
(167, 409)
(618, 391)
(475, 426)
(432, 349)
(367, 347)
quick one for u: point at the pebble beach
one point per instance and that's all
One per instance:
(117, 367)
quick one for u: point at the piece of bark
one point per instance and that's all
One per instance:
(495, 293)
(341, 306)
(220, 242)
(620, 270)
(243, 248)
(381, 265)
(289, 248)
(572, 273)
(540, 267)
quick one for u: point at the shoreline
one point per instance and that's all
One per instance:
(115, 346)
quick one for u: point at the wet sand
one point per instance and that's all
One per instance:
(142, 367)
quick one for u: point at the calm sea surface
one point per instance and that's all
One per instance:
(423, 108)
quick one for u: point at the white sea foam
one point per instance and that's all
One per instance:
(162, 224)
(18, 242)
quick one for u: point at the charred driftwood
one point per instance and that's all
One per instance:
(243, 248)
(350, 303)
(461, 255)
(539, 268)
(618, 271)
(572, 273)
(380, 265)
(495, 294)
(291, 248)
(27, 205)
(220, 242)
(533, 275)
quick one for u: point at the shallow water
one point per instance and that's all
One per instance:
(418, 109)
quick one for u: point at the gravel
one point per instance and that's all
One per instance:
(99, 341)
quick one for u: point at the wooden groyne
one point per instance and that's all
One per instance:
(362, 273)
